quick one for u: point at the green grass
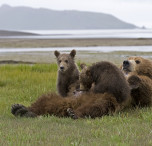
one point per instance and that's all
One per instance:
(24, 83)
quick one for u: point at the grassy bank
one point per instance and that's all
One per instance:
(24, 83)
(82, 56)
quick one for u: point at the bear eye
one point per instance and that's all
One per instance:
(66, 61)
(137, 61)
(59, 61)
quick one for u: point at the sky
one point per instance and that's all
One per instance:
(138, 12)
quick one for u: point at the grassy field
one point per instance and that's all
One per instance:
(24, 83)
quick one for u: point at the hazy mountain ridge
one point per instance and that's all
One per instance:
(15, 33)
(25, 18)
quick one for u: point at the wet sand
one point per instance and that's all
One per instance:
(32, 43)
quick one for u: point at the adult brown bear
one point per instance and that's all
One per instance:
(86, 105)
(138, 72)
(110, 91)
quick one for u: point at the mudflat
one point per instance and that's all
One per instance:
(32, 43)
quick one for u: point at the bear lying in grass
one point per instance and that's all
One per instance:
(138, 72)
(110, 91)
(86, 105)
(68, 74)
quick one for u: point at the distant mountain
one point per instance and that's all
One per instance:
(25, 18)
(15, 33)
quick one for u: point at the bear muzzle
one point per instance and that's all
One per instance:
(126, 65)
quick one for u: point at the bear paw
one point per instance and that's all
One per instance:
(71, 113)
(134, 81)
(17, 109)
(22, 111)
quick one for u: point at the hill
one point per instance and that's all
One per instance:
(26, 18)
(15, 33)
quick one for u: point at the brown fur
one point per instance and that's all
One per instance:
(138, 72)
(105, 77)
(68, 73)
(86, 105)
(110, 89)
(98, 104)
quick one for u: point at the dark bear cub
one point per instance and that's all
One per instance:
(68, 74)
(105, 77)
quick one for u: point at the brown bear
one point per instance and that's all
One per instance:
(68, 73)
(109, 91)
(105, 77)
(138, 72)
(86, 105)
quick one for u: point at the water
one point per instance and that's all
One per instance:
(65, 34)
(90, 49)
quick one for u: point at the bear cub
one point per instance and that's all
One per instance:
(68, 73)
(104, 77)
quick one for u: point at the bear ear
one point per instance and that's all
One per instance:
(56, 53)
(73, 53)
(83, 65)
(88, 73)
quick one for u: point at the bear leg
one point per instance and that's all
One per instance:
(22, 111)
(134, 81)
(104, 105)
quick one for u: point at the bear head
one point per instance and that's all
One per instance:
(65, 61)
(138, 65)
(85, 78)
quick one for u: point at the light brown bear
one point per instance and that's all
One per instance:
(110, 90)
(68, 73)
(138, 72)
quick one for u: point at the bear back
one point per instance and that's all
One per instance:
(109, 78)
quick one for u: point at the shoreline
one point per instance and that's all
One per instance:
(41, 43)
(88, 57)
(82, 56)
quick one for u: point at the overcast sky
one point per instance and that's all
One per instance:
(138, 12)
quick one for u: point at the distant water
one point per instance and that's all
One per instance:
(90, 49)
(65, 34)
